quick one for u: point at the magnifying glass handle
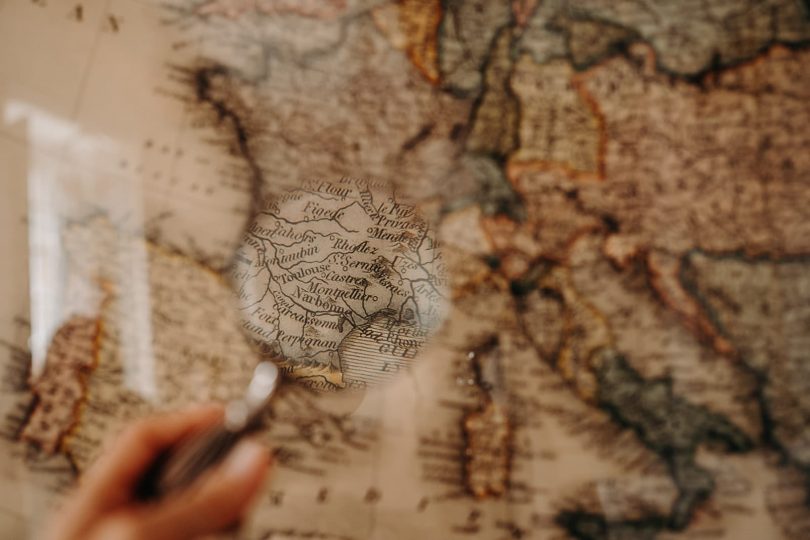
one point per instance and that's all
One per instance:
(179, 466)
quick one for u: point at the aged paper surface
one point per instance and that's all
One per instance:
(540, 268)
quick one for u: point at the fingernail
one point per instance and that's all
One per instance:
(244, 459)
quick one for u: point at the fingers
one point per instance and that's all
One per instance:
(109, 483)
(102, 508)
(113, 478)
(219, 499)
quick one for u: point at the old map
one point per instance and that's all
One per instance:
(534, 268)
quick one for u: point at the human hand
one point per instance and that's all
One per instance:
(104, 507)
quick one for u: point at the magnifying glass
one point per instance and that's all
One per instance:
(339, 284)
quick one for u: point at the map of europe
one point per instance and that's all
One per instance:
(533, 269)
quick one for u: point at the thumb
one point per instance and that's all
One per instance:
(219, 499)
